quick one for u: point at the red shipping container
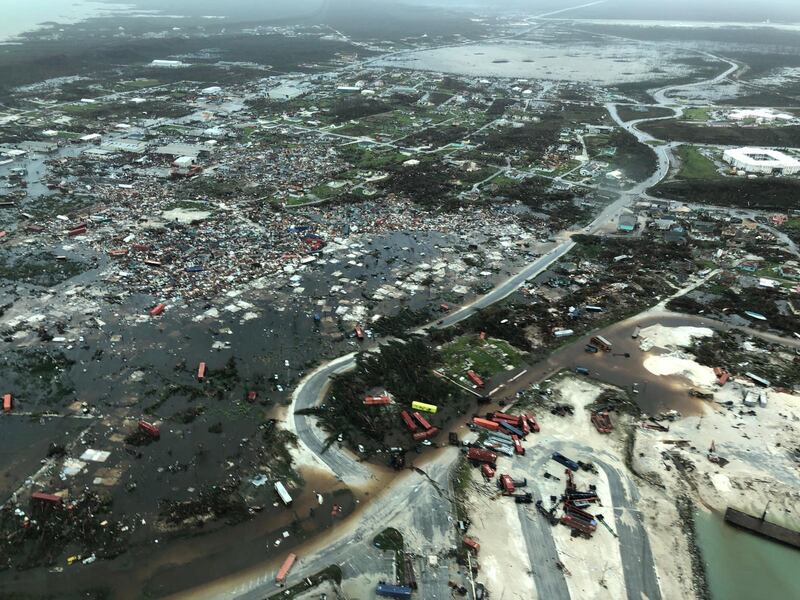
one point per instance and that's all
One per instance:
(284, 570)
(7, 400)
(422, 420)
(150, 429)
(201, 371)
(157, 310)
(486, 424)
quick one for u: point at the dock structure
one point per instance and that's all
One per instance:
(762, 527)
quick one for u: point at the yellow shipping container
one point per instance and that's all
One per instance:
(429, 408)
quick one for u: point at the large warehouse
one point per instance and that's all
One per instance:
(761, 160)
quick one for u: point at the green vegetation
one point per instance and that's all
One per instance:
(764, 192)
(696, 114)
(138, 84)
(683, 131)
(460, 478)
(40, 269)
(389, 539)
(486, 357)
(392, 540)
(694, 165)
(405, 369)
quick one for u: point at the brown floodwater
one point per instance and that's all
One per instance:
(655, 393)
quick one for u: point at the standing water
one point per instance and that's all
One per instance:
(742, 566)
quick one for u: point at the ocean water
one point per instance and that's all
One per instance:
(742, 566)
(19, 17)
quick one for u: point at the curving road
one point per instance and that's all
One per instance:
(640, 577)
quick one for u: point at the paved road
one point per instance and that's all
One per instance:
(638, 567)
(343, 463)
(419, 500)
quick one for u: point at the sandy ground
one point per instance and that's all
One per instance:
(594, 565)
(681, 364)
(759, 448)
(502, 553)
(670, 338)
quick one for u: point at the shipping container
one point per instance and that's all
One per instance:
(504, 449)
(472, 544)
(581, 370)
(514, 420)
(422, 420)
(475, 379)
(157, 309)
(201, 371)
(424, 435)
(424, 407)
(149, 429)
(284, 570)
(408, 421)
(359, 333)
(503, 438)
(511, 429)
(7, 402)
(393, 591)
(283, 493)
(47, 498)
(486, 424)
(534, 424)
(518, 448)
(561, 459)
(487, 471)
(377, 400)
(479, 455)
(506, 484)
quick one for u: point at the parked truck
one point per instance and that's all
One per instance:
(601, 343)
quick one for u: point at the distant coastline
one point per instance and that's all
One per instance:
(24, 17)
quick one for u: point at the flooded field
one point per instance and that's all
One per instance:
(604, 64)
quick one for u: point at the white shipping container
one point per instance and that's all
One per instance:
(283, 493)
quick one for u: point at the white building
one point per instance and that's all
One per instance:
(761, 160)
(759, 114)
(168, 64)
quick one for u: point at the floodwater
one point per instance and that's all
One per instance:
(742, 566)
(653, 393)
(603, 64)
